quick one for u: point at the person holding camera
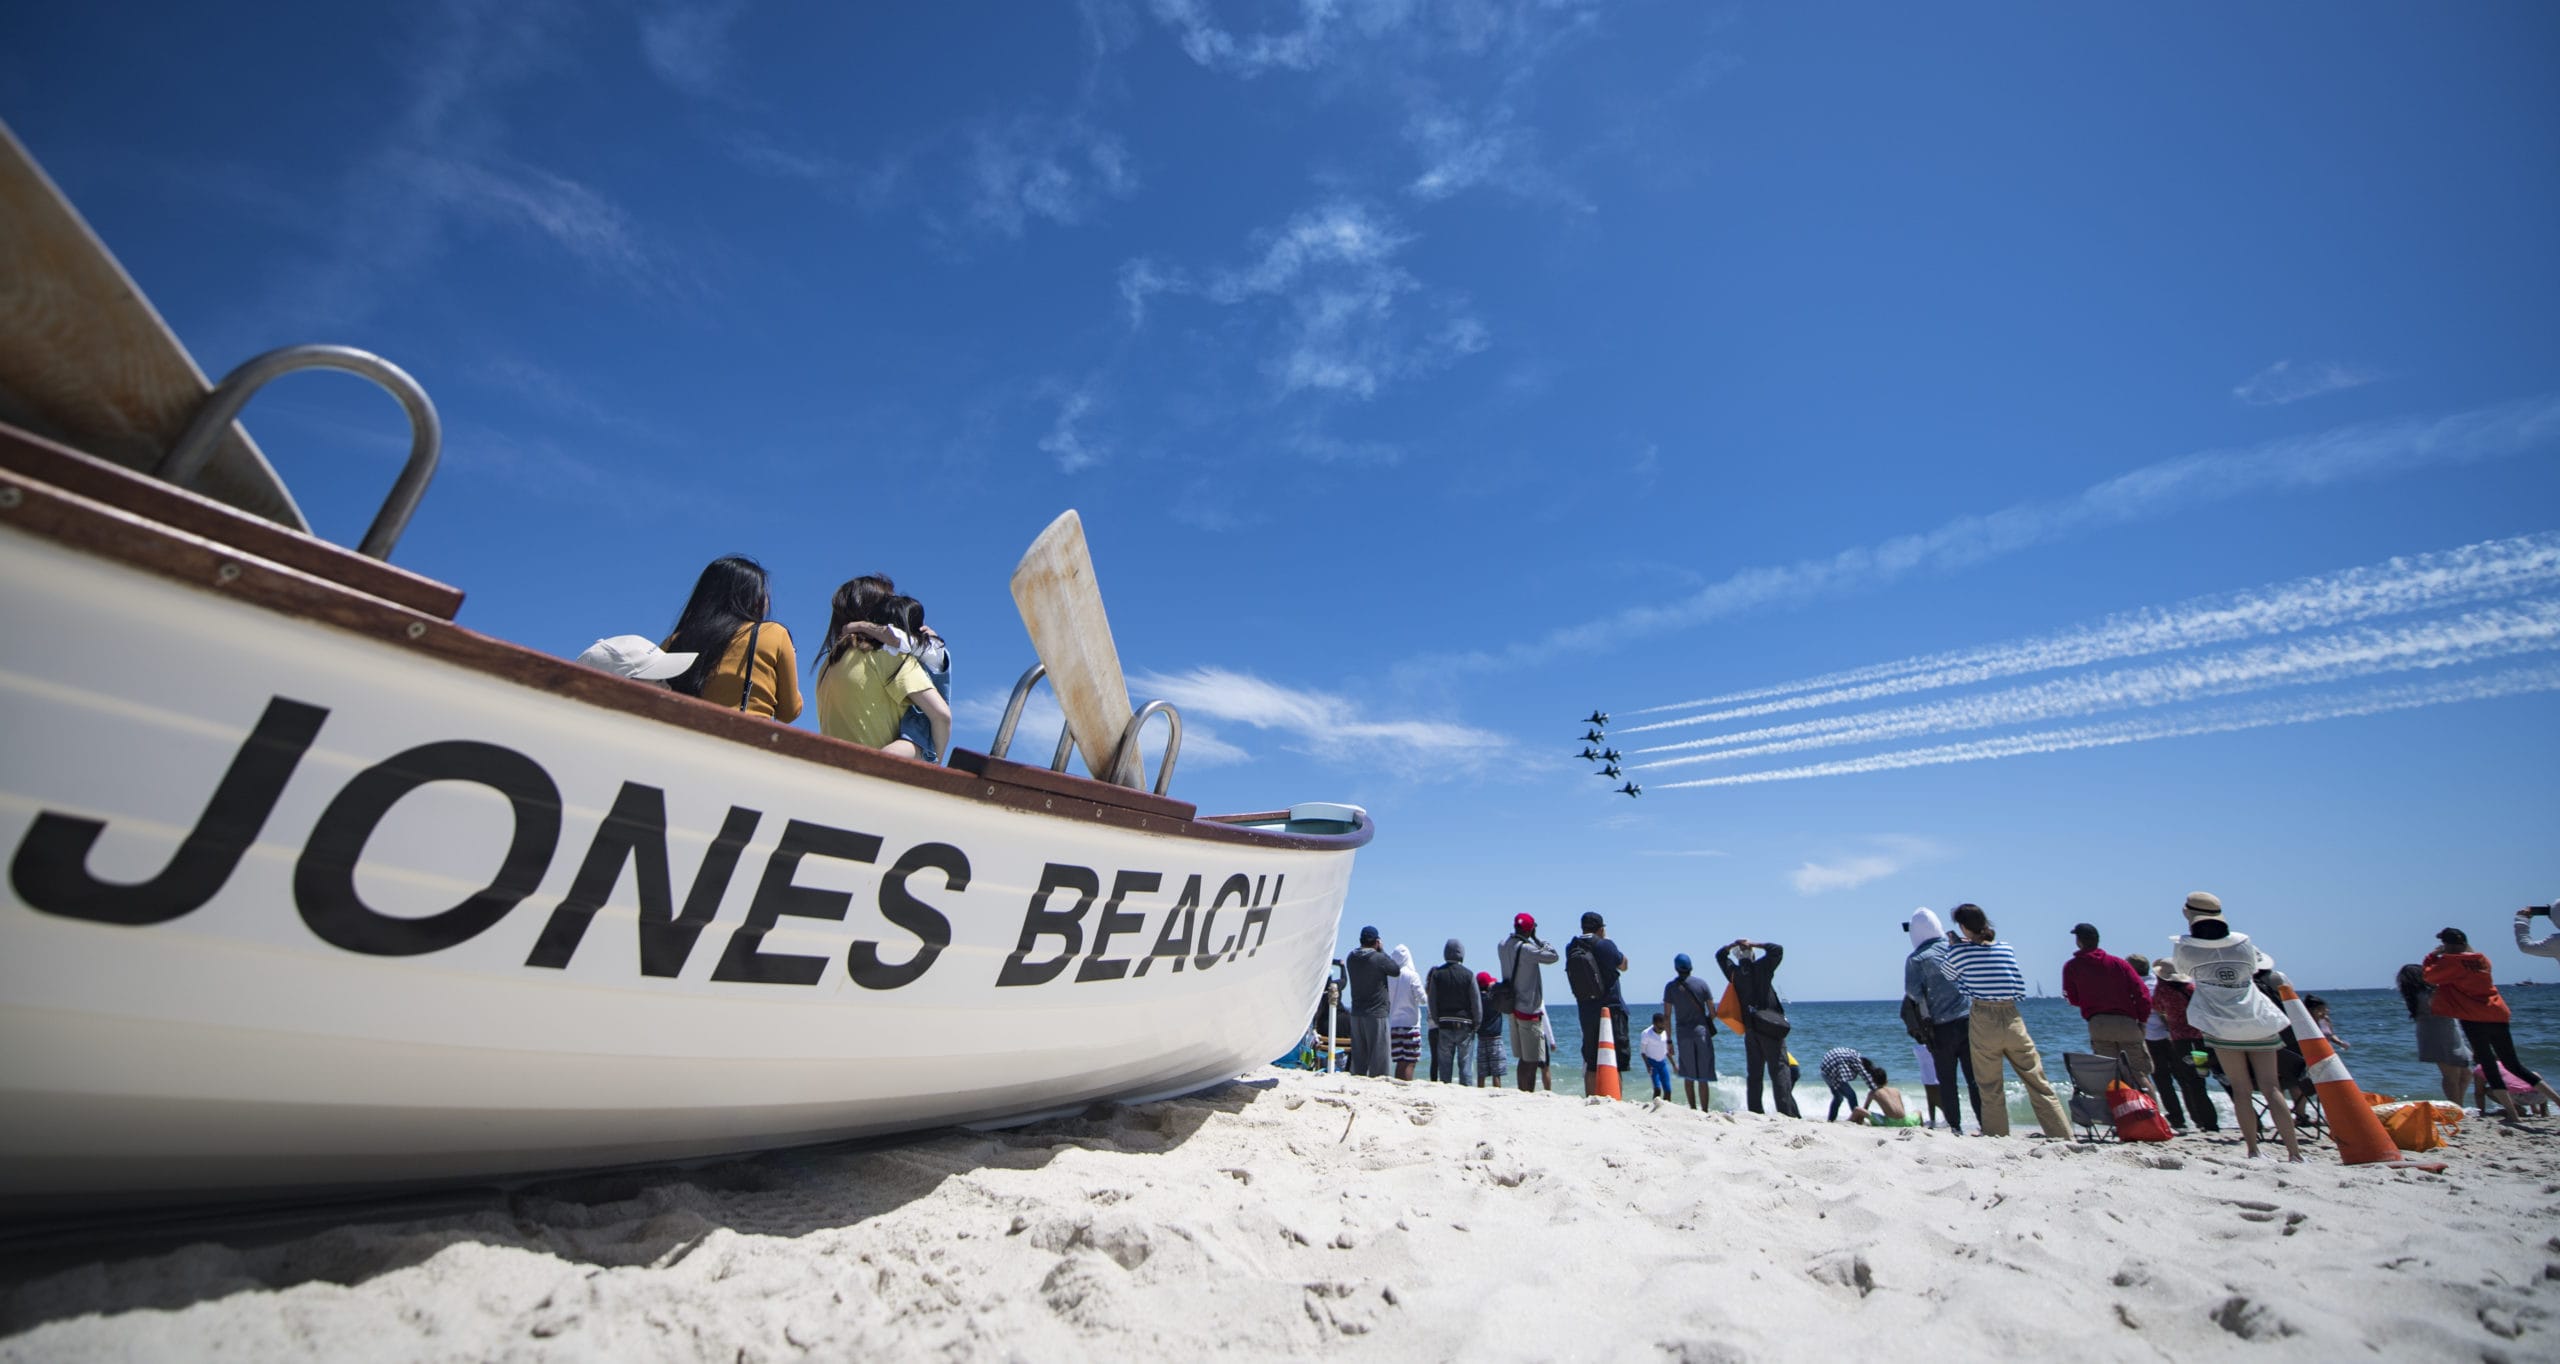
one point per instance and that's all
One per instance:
(2548, 947)
(1986, 969)
(1592, 965)
(1523, 991)
(1764, 1021)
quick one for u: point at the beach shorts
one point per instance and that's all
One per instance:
(1529, 1040)
(1405, 1046)
(1697, 1052)
(1488, 1054)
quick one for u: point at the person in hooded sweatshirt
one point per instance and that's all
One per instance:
(1764, 1052)
(1404, 1013)
(1693, 1031)
(2466, 994)
(2244, 1027)
(1456, 1009)
(1370, 971)
(1927, 979)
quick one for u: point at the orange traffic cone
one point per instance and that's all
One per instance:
(2352, 1124)
(1607, 1085)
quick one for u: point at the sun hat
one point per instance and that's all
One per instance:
(634, 656)
(2166, 969)
(2204, 903)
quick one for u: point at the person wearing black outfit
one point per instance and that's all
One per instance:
(1369, 970)
(1489, 1030)
(1456, 1010)
(1612, 963)
(1764, 1020)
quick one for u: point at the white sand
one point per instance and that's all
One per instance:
(1299, 1216)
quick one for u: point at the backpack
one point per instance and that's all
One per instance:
(2137, 1118)
(1915, 1021)
(1582, 972)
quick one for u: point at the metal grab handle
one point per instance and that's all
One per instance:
(222, 407)
(1128, 755)
(1013, 709)
(1127, 748)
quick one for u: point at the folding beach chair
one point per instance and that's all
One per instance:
(2090, 1076)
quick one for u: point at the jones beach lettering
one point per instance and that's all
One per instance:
(1060, 924)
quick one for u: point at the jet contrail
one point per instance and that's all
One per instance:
(2478, 572)
(2364, 450)
(2476, 637)
(2514, 682)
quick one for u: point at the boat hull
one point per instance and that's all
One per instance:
(291, 909)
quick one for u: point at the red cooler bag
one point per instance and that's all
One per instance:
(2137, 1118)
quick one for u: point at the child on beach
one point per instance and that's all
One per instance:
(1656, 1043)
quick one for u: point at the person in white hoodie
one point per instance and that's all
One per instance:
(2548, 947)
(2243, 1026)
(1404, 1014)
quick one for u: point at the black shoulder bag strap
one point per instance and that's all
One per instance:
(747, 688)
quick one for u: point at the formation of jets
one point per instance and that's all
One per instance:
(1604, 755)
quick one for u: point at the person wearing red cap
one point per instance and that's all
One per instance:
(1490, 1024)
(1520, 956)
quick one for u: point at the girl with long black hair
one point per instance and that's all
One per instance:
(865, 685)
(2439, 1038)
(743, 661)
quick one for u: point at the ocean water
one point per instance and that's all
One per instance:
(2381, 1047)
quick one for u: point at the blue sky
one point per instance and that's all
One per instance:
(1430, 373)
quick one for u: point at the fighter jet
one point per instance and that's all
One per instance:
(1588, 755)
(1598, 717)
(1611, 772)
(1608, 755)
(1631, 789)
(1594, 736)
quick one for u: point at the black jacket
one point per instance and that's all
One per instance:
(1368, 971)
(1751, 979)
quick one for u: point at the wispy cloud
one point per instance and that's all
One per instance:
(1682, 852)
(1035, 166)
(2259, 715)
(1461, 150)
(1897, 853)
(2475, 637)
(1324, 725)
(688, 44)
(2286, 382)
(1073, 447)
(1332, 272)
(2349, 453)
(2485, 571)
(441, 166)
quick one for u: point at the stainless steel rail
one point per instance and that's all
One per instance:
(204, 434)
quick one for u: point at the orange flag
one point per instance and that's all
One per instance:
(1729, 1009)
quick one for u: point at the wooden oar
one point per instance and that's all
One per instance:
(84, 358)
(1061, 605)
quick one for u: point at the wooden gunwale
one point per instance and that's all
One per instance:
(208, 553)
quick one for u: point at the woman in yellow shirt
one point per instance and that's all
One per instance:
(743, 661)
(863, 688)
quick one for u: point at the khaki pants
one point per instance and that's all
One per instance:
(2120, 1037)
(1999, 1035)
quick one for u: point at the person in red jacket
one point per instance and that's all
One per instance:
(2111, 995)
(2466, 994)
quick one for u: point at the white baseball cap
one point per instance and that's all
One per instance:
(634, 656)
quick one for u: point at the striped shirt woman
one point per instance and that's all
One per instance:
(1986, 971)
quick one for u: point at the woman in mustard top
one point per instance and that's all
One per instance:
(743, 661)
(863, 688)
